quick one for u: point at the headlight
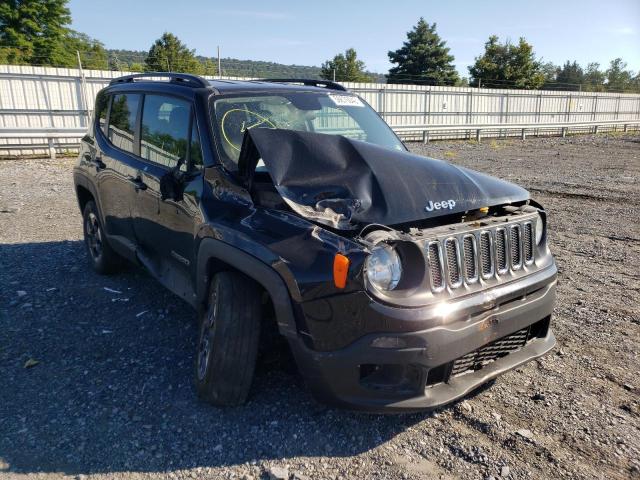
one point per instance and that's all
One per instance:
(539, 229)
(383, 267)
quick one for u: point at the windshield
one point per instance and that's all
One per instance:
(328, 113)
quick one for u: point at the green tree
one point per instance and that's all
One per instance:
(423, 59)
(37, 32)
(549, 70)
(33, 31)
(169, 54)
(570, 75)
(209, 67)
(635, 83)
(347, 68)
(92, 52)
(594, 78)
(618, 77)
(507, 66)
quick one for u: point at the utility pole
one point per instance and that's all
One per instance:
(479, 83)
(219, 64)
(83, 85)
(334, 74)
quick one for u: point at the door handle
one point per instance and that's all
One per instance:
(138, 184)
(97, 161)
(100, 165)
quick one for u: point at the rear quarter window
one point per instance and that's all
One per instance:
(102, 105)
(122, 120)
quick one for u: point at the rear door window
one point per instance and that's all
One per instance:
(165, 130)
(122, 120)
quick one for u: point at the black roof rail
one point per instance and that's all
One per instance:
(305, 81)
(185, 79)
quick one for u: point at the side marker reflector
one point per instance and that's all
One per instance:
(340, 270)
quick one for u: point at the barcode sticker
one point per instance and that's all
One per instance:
(346, 100)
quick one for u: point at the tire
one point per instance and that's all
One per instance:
(102, 257)
(228, 340)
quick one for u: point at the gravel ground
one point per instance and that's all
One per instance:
(96, 371)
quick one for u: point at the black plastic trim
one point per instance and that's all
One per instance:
(185, 79)
(253, 268)
(307, 82)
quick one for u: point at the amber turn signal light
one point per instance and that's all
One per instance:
(340, 270)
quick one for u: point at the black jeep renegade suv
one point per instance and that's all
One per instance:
(399, 282)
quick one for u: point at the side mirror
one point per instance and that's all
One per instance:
(172, 184)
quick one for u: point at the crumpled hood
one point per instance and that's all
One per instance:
(345, 183)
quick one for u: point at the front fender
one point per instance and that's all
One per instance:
(213, 251)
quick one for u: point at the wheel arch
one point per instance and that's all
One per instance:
(85, 191)
(214, 256)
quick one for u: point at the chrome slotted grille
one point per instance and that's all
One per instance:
(488, 253)
(470, 258)
(516, 247)
(501, 250)
(435, 267)
(527, 242)
(453, 262)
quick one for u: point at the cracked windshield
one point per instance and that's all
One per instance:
(333, 114)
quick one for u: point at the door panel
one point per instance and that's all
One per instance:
(164, 229)
(117, 165)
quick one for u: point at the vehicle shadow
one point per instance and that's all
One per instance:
(112, 390)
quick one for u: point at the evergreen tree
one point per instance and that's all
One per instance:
(507, 66)
(37, 32)
(169, 54)
(347, 68)
(570, 75)
(423, 59)
(33, 31)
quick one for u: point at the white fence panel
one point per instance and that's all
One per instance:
(57, 98)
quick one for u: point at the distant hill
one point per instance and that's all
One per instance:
(232, 67)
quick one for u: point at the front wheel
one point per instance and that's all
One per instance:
(228, 340)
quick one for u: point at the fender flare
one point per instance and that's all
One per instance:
(252, 267)
(81, 180)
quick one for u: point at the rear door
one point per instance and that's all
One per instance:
(165, 229)
(117, 164)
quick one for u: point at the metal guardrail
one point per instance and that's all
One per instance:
(49, 135)
(563, 127)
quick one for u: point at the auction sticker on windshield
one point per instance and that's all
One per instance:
(346, 100)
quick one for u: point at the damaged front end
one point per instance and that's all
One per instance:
(451, 281)
(347, 184)
(430, 229)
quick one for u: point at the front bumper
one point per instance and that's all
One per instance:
(400, 371)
